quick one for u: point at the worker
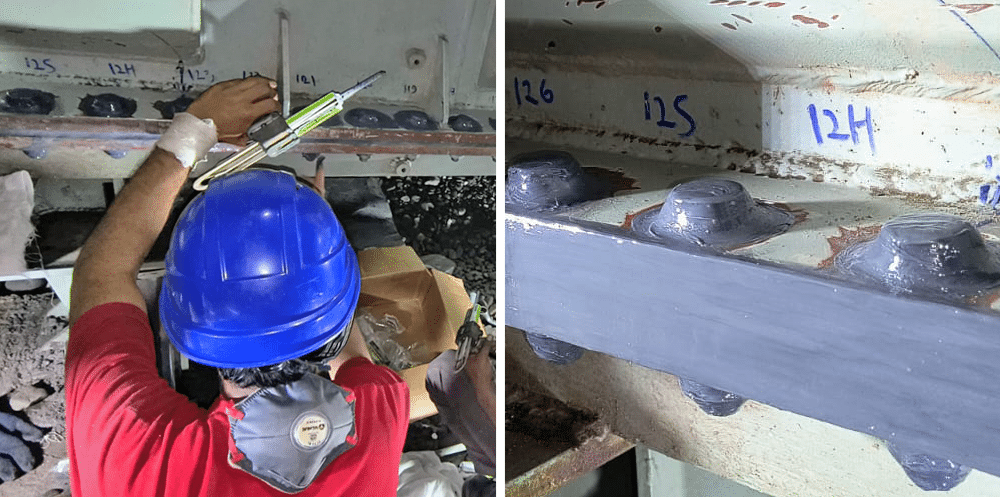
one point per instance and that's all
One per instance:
(260, 283)
(466, 401)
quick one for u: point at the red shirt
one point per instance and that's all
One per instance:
(130, 434)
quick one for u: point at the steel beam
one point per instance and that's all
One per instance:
(20, 132)
(917, 373)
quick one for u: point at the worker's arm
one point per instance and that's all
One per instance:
(109, 261)
(480, 371)
(355, 347)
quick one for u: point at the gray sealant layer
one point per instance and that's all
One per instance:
(713, 212)
(932, 255)
(548, 181)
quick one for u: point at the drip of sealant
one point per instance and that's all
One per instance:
(929, 253)
(549, 180)
(929, 472)
(552, 350)
(714, 212)
(711, 400)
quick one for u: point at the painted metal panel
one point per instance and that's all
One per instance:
(899, 369)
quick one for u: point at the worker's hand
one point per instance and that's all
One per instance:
(234, 105)
(480, 369)
(12, 445)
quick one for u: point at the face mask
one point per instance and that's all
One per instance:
(288, 434)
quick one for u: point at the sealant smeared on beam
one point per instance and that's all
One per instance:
(711, 400)
(931, 255)
(548, 181)
(107, 105)
(369, 118)
(416, 120)
(168, 109)
(464, 124)
(928, 472)
(713, 212)
(553, 350)
(27, 101)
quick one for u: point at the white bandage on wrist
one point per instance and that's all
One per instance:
(189, 138)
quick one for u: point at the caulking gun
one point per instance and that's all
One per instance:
(272, 135)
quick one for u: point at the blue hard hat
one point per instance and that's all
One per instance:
(258, 272)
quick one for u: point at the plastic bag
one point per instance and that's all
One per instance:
(380, 335)
(422, 474)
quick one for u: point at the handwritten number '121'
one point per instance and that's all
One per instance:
(663, 122)
(547, 95)
(852, 124)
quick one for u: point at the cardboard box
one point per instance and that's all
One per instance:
(430, 306)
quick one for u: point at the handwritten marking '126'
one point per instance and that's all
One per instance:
(546, 94)
(662, 121)
(852, 125)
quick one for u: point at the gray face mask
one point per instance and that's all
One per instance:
(287, 435)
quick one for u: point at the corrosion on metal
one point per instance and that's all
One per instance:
(20, 132)
(568, 466)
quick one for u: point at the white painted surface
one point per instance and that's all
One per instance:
(102, 15)
(747, 73)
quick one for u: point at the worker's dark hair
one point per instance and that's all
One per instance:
(267, 376)
(287, 371)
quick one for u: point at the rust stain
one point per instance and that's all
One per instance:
(972, 8)
(985, 298)
(835, 17)
(744, 19)
(730, 26)
(809, 20)
(616, 181)
(774, 4)
(847, 238)
(631, 216)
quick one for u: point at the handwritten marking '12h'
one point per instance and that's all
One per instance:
(663, 122)
(123, 69)
(852, 124)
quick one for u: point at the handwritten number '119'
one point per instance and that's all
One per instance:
(547, 95)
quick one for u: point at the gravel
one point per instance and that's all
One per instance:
(453, 216)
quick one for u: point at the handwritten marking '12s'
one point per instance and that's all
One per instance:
(546, 94)
(662, 121)
(852, 124)
(40, 65)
